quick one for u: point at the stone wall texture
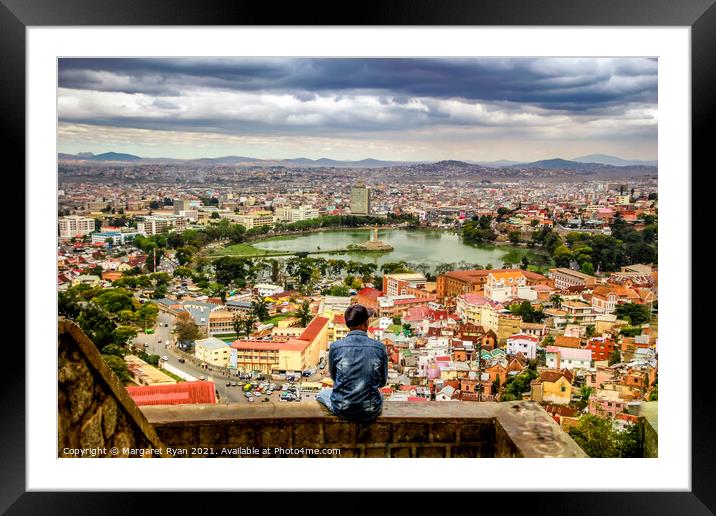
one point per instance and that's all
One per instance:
(95, 412)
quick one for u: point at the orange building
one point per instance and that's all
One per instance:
(455, 283)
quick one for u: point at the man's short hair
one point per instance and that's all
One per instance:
(356, 315)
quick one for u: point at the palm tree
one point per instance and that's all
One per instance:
(259, 308)
(556, 300)
(304, 314)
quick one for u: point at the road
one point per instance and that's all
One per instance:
(161, 343)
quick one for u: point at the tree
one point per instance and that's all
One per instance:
(633, 313)
(259, 307)
(118, 367)
(654, 394)
(186, 328)
(113, 349)
(338, 290)
(589, 331)
(243, 324)
(595, 436)
(584, 394)
(556, 300)
(525, 263)
(304, 314)
(615, 357)
(123, 334)
(514, 237)
(587, 268)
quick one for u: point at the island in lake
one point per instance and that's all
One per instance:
(373, 244)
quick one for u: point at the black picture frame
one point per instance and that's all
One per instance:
(700, 15)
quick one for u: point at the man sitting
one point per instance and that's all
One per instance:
(359, 368)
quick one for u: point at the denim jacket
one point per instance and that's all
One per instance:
(359, 368)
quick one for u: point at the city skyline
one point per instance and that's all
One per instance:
(522, 109)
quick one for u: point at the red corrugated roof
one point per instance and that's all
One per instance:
(173, 394)
(314, 328)
(268, 345)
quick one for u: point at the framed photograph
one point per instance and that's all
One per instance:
(425, 242)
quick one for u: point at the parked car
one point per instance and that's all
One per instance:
(234, 384)
(228, 384)
(165, 358)
(202, 378)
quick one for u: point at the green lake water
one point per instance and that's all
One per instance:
(427, 247)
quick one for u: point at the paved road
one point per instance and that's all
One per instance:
(161, 343)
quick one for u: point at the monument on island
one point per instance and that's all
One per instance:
(373, 244)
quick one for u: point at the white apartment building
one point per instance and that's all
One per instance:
(75, 226)
(570, 358)
(156, 224)
(268, 289)
(288, 214)
(522, 343)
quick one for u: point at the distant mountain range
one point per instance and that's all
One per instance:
(589, 163)
(231, 160)
(604, 159)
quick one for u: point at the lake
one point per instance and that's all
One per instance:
(429, 247)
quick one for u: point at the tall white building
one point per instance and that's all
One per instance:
(360, 199)
(75, 226)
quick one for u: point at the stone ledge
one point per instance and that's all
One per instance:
(469, 429)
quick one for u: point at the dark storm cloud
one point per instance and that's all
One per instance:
(577, 85)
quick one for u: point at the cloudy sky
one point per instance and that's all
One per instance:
(397, 109)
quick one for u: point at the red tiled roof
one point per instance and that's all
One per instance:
(173, 394)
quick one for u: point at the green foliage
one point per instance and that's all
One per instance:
(615, 357)
(516, 385)
(624, 246)
(124, 334)
(186, 328)
(527, 312)
(478, 230)
(597, 438)
(337, 290)
(633, 313)
(259, 307)
(654, 394)
(118, 367)
(514, 237)
(304, 314)
(395, 268)
(113, 349)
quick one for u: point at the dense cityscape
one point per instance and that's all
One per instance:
(170, 282)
